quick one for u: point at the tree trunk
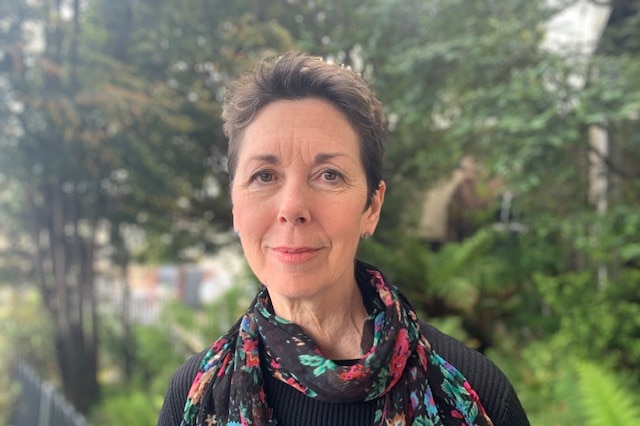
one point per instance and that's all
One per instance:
(65, 276)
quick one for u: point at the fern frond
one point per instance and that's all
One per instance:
(606, 400)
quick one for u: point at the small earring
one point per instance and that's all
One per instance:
(365, 236)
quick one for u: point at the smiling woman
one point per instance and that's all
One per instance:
(327, 341)
(299, 165)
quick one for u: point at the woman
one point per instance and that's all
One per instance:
(327, 341)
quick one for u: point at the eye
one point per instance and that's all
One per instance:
(330, 175)
(263, 176)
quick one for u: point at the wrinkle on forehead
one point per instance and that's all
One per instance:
(305, 134)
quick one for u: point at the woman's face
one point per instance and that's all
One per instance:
(299, 197)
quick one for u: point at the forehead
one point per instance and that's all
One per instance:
(309, 123)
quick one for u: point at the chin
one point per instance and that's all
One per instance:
(292, 289)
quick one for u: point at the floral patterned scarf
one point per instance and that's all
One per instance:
(412, 384)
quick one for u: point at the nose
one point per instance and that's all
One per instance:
(294, 204)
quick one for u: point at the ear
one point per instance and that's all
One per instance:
(372, 213)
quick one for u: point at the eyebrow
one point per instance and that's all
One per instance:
(267, 158)
(322, 157)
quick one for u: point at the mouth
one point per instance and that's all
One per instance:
(294, 254)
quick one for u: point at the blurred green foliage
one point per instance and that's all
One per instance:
(160, 349)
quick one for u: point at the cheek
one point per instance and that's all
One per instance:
(249, 220)
(348, 222)
(240, 217)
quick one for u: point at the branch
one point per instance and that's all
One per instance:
(618, 170)
(612, 167)
(38, 256)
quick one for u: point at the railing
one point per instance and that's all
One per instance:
(40, 404)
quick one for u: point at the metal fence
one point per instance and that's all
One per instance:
(40, 404)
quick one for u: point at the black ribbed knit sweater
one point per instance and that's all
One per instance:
(292, 408)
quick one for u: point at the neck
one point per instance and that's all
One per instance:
(334, 324)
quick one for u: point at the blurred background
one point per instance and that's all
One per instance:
(512, 217)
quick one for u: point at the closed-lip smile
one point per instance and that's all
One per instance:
(294, 254)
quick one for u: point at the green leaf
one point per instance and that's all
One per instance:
(605, 399)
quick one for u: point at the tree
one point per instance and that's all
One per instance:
(63, 153)
(43, 81)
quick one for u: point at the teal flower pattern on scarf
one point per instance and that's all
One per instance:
(322, 364)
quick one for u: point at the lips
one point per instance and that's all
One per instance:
(294, 254)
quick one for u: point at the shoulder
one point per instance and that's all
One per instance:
(492, 386)
(176, 395)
